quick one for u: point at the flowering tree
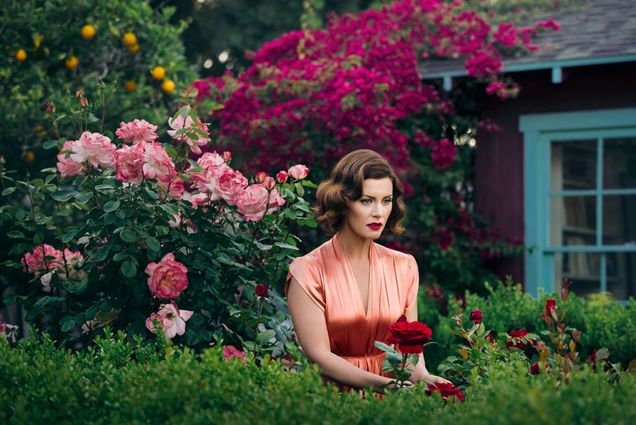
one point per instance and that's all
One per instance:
(134, 235)
(315, 95)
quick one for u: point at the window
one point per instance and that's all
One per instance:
(580, 195)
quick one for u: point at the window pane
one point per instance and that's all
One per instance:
(573, 165)
(621, 275)
(583, 269)
(619, 163)
(573, 220)
(619, 219)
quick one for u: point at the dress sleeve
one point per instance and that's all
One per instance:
(413, 283)
(308, 276)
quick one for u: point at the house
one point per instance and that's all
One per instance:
(561, 173)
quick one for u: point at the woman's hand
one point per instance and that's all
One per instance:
(434, 380)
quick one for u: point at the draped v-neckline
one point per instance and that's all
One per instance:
(354, 286)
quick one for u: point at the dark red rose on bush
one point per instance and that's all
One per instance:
(550, 310)
(534, 369)
(476, 316)
(409, 336)
(490, 338)
(521, 333)
(447, 390)
(262, 291)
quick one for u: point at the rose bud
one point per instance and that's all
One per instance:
(281, 176)
(269, 183)
(476, 316)
(260, 177)
(227, 156)
(262, 291)
(534, 369)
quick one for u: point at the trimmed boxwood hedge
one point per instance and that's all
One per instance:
(116, 382)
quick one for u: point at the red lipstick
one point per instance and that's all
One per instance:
(374, 226)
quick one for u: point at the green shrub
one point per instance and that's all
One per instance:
(115, 382)
(602, 322)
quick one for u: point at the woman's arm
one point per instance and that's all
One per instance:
(311, 329)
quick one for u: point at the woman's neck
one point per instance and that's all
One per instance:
(355, 247)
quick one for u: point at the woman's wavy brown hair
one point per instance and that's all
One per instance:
(345, 185)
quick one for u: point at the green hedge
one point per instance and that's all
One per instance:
(113, 382)
(602, 321)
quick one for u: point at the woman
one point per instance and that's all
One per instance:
(343, 295)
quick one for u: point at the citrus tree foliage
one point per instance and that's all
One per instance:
(52, 48)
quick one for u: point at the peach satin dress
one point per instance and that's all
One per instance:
(326, 276)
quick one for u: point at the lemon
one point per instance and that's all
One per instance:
(28, 156)
(88, 32)
(129, 39)
(71, 62)
(130, 86)
(134, 48)
(168, 86)
(21, 55)
(158, 73)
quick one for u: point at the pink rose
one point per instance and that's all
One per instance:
(230, 351)
(253, 204)
(137, 131)
(298, 171)
(170, 319)
(175, 187)
(95, 148)
(129, 163)
(227, 156)
(187, 123)
(65, 165)
(168, 278)
(210, 161)
(157, 163)
(200, 200)
(230, 184)
(269, 183)
(38, 260)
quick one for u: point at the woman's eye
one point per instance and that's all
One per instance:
(388, 201)
(366, 202)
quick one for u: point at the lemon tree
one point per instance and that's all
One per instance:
(53, 48)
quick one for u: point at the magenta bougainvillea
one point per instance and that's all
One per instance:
(315, 95)
(349, 84)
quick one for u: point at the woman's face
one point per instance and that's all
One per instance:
(368, 215)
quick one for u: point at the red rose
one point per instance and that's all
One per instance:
(409, 336)
(281, 176)
(262, 291)
(521, 333)
(534, 369)
(447, 390)
(490, 338)
(550, 310)
(476, 316)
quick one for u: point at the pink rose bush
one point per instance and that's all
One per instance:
(160, 221)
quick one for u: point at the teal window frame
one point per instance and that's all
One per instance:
(539, 131)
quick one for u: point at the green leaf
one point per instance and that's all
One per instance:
(67, 325)
(129, 268)
(68, 236)
(128, 235)
(264, 337)
(153, 244)
(50, 144)
(16, 234)
(63, 196)
(8, 191)
(111, 206)
(286, 246)
(120, 256)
